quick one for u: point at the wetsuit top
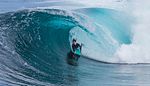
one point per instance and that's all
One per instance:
(74, 47)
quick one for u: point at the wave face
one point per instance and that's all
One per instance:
(34, 43)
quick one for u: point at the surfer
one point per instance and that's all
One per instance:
(75, 45)
(74, 53)
(76, 49)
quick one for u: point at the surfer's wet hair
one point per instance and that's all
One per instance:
(74, 40)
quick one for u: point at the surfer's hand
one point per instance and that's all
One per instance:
(82, 44)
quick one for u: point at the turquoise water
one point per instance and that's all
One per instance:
(34, 46)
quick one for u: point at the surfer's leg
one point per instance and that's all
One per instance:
(78, 57)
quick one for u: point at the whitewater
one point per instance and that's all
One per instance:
(35, 37)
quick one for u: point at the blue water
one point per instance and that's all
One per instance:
(34, 44)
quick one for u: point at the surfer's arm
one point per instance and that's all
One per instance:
(79, 46)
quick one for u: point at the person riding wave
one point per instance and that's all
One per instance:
(75, 53)
(76, 49)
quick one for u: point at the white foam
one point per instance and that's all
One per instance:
(139, 50)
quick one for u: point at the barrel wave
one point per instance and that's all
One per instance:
(34, 42)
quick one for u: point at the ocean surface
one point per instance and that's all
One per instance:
(35, 37)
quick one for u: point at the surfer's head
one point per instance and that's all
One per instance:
(74, 41)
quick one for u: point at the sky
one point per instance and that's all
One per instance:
(12, 5)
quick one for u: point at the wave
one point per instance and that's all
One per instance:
(110, 30)
(34, 43)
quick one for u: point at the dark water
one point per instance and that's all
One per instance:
(33, 50)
